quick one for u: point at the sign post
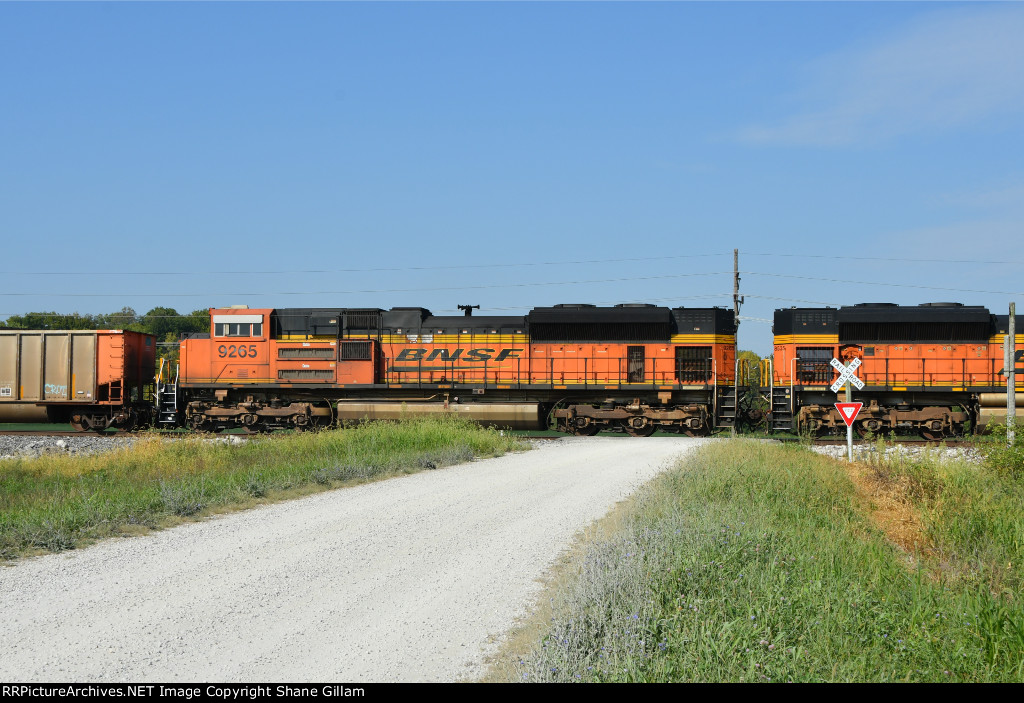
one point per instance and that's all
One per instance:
(848, 410)
(1011, 382)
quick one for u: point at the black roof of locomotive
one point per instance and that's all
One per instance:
(929, 322)
(628, 322)
(888, 322)
(805, 321)
(926, 312)
(1001, 324)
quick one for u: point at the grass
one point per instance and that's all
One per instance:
(58, 502)
(759, 562)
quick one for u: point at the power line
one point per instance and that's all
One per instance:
(355, 270)
(790, 300)
(451, 267)
(877, 283)
(183, 316)
(881, 259)
(359, 292)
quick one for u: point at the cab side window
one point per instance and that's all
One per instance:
(238, 329)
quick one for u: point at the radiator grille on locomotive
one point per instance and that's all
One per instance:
(693, 364)
(914, 331)
(305, 353)
(363, 320)
(356, 351)
(327, 374)
(812, 365)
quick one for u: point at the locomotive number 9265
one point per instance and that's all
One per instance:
(240, 351)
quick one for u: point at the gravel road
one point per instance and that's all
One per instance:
(410, 579)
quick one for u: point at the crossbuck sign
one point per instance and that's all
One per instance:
(846, 373)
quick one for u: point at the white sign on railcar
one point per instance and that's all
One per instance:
(846, 374)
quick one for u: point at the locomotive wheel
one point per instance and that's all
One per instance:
(588, 431)
(641, 431)
(696, 431)
(933, 435)
(320, 423)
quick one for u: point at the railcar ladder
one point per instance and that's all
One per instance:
(166, 396)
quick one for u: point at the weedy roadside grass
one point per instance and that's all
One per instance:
(57, 502)
(754, 561)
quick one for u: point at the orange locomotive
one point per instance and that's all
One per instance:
(631, 368)
(930, 369)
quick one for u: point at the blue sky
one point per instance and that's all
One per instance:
(510, 155)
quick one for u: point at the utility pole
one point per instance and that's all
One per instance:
(736, 302)
(736, 299)
(1010, 349)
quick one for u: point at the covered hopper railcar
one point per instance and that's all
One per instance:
(581, 368)
(935, 369)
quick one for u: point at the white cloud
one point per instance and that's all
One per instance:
(946, 70)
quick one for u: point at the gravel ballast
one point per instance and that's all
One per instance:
(411, 579)
(28, 446)
(866, 452)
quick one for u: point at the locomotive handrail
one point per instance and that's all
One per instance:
(714, 395)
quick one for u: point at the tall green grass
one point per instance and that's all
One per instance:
(758, 562)
(56, 502)
(973, 514)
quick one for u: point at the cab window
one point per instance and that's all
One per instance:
(238, 329)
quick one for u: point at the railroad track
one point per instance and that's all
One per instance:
(909, 441)
(55, 433)
(821, 441)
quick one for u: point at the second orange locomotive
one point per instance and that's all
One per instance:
(935, 369)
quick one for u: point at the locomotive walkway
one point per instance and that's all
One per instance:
(411, 579)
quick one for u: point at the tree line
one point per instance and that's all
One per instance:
(166, 324)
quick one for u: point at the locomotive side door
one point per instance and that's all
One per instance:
(634, 364)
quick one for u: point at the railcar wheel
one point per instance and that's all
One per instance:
(933, 435)
(588, 431)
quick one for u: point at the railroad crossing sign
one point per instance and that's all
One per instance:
(846, 374)
(849, 412)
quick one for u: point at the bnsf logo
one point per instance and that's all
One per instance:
(455, 354)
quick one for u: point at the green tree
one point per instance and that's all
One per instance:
(161, 322)
(750, 364)
(124, 319)
(51, 321)
(198, 321)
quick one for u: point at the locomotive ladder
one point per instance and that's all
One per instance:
(166, 396)
(726, 416)
(782, 409)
